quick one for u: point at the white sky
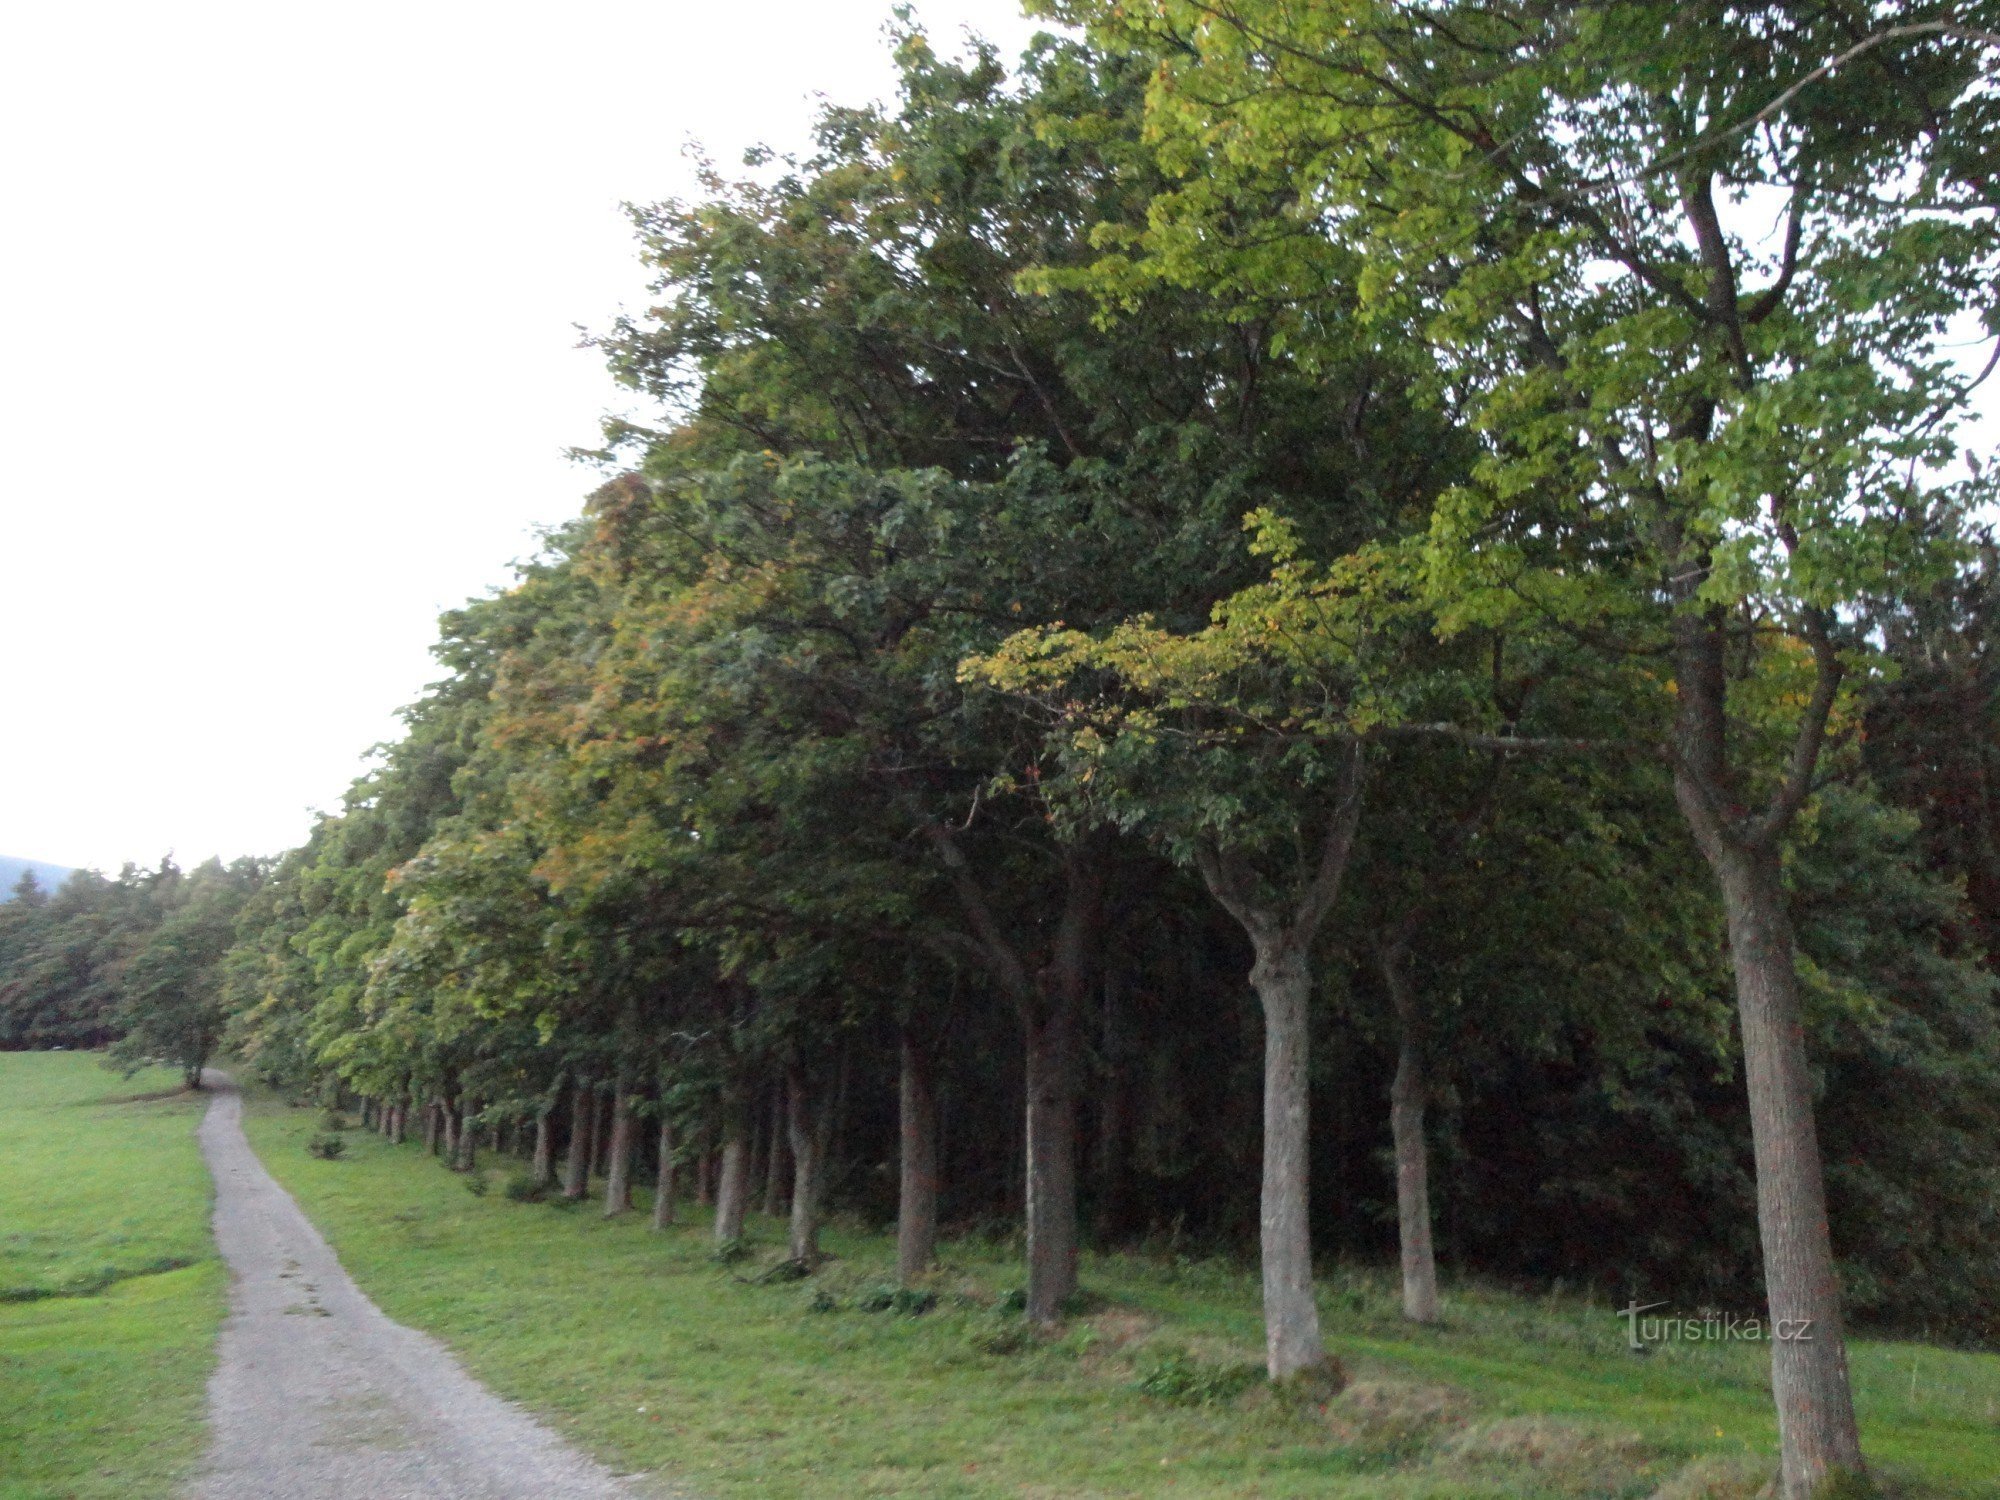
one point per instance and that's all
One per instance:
(287, 363)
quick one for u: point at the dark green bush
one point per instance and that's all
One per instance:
(1178, 1376)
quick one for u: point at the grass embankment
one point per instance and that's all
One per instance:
(110, 1290)
(654, 1357)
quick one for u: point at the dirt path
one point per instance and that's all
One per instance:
(319, 1396)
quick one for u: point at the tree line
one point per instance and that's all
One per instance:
(1349, 629)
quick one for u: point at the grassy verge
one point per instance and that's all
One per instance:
(110, 1292)
(653, 1356)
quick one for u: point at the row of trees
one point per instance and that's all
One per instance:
(134, 964)
(1450, 513)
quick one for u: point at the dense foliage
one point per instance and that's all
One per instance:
(1131, 571)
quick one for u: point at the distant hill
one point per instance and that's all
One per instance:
(49, 875)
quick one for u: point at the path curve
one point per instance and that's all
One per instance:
(318, 1395)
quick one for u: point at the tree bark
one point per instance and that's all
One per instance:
(600, 1126)
(543, 1169)
(663, 1187)
(618, 1166)
(1817, 1434)
(1818, 1438)
(808, 1120)
(1281, 974)
(468, 1136)
(1114, 1108)
(774, 1162)
(917, 1198)
(1283, 981)
(451, 1132)
(1408, 1098)
(431, 1129)
(1051, 1207)
(732, 1190)
(576, 1166)
(1050, 1001)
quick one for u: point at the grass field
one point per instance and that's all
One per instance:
(110, 1292)
(653, 1356)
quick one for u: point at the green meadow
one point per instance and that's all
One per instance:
(110, 1291)
(647, 1351)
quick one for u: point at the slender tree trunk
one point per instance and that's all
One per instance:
(917, 1199)
(1817, 1434)
(807, 1122)
(600, 1128)
(1051, 1207)
(1283, 981)
(1408, 1096)
(1818, 1439)
(732, 1191)
(774, 1160)
(1114, 1188)
(468, 1136)
(576, 1166)
(618, 1170)
(431, 1129)
(451, 1130)
(663, 1187)
(543, 1170)
(1050, 1002)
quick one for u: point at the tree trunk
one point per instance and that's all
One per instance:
(618, 1170)
(543, 1167)
(774, 1161)
(1817, 1435)
(1051, 1207)
(468, 1136)
(431, 1129)
(1818, 1439)
(451, 1129)
(807, 1122)
(732, 1191)
(600, 1128)
(704, 1177)
(1283, 981)
(663, 1187)
(576, 1166)
(1114, 1108)
(917, 1199)
(1407, 1101)
(1049, 1000)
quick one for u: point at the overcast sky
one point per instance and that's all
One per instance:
(288, 297)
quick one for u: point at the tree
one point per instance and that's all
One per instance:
(1556, 201)
(172, 1005)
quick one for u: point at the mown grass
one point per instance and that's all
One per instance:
(110, 1291)
(653, 1356)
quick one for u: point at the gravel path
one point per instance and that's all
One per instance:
(319, 1396)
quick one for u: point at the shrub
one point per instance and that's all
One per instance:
(1177, 1376)
(521, 1187)
(333, 1120)
(326, 1147)
(477, 1184)
(998, 1333)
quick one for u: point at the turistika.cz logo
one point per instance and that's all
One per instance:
(1707, 1327)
